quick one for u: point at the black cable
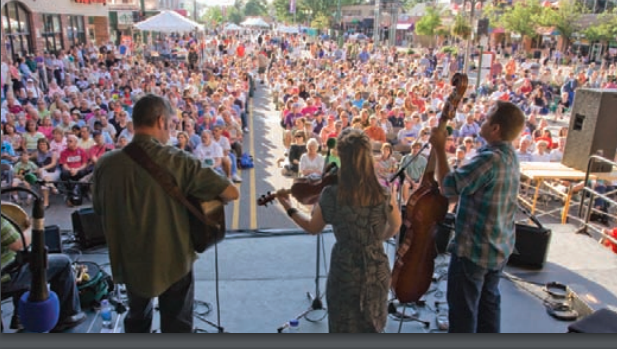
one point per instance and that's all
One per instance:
(198, 304)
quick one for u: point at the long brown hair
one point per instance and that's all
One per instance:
(357, 182)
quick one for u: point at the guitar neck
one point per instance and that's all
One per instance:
(432, 159)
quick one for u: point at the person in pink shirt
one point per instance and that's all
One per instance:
(57, 143)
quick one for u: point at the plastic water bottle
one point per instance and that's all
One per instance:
(294, 326)
(106, 326)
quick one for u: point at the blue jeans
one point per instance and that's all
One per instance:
(234, 163)
(474, 300)
(61, 280)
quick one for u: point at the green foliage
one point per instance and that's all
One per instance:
(565, 18)
(321, 22)
(213, 15)
(429, 22)
(461, 27)
(604, 28)
(256, 8)
(234, 14)
(449, 49)
(442, 31)
(522, 18)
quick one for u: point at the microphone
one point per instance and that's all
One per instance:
(31, 178)
(331, 143)
(39, 308)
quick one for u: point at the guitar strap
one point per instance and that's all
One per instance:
(163, 178)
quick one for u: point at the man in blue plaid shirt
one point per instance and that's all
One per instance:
(487, 189)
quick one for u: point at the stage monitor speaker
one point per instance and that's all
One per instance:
(593, 129)
(53, 239)
(88, 228)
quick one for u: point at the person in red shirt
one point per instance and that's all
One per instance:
(240, 51)
(607, 242)
(74, 161)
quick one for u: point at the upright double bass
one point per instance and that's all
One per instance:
(415, 258)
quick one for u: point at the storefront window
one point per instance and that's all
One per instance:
(52, 33)
(76, 31)
(16, 25)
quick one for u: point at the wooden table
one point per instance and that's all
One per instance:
(542, 171)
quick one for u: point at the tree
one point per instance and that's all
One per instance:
(604, 29)
(429, 22)
(235, 16)
(565, 18)
(461, 27)
(256, 8)
(213, 15)
(522, 18)
(321, 22)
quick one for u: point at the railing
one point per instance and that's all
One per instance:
(585, 211)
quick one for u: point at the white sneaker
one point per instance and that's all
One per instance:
(246, 130)
(236, 178)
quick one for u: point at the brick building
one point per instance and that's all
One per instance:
(51, 25)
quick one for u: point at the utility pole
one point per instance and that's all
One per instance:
(142, 4)
(469, 41)
(376, 24)
(195, 10)
(339, 24)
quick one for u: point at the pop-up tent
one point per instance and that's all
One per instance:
(169, 22)
(255, 22)
(232, 26)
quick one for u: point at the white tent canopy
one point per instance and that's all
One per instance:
(169, 22)
(232, 26)
(255, 22)
(288, 30)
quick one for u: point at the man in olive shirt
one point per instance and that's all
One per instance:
(147, 232)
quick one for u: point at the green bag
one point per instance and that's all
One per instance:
(96, 288)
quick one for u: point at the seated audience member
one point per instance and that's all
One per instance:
(17, 278)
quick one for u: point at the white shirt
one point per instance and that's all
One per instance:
(223, 142)
(315, 164)
(536, 157)
(208, 153)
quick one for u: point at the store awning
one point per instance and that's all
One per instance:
(403, 26)
(547, 31)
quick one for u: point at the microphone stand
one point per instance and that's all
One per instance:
(316, 303)
(39, 308)
(400, 175)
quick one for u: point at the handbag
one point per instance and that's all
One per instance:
(206, 219)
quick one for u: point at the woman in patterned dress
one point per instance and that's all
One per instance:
(362, 216)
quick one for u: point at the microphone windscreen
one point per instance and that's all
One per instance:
(331, 143)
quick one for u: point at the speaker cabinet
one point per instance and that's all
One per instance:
(593, 129)
(53, 239)
(88, 228)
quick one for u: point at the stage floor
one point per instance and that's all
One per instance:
(265, 277)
